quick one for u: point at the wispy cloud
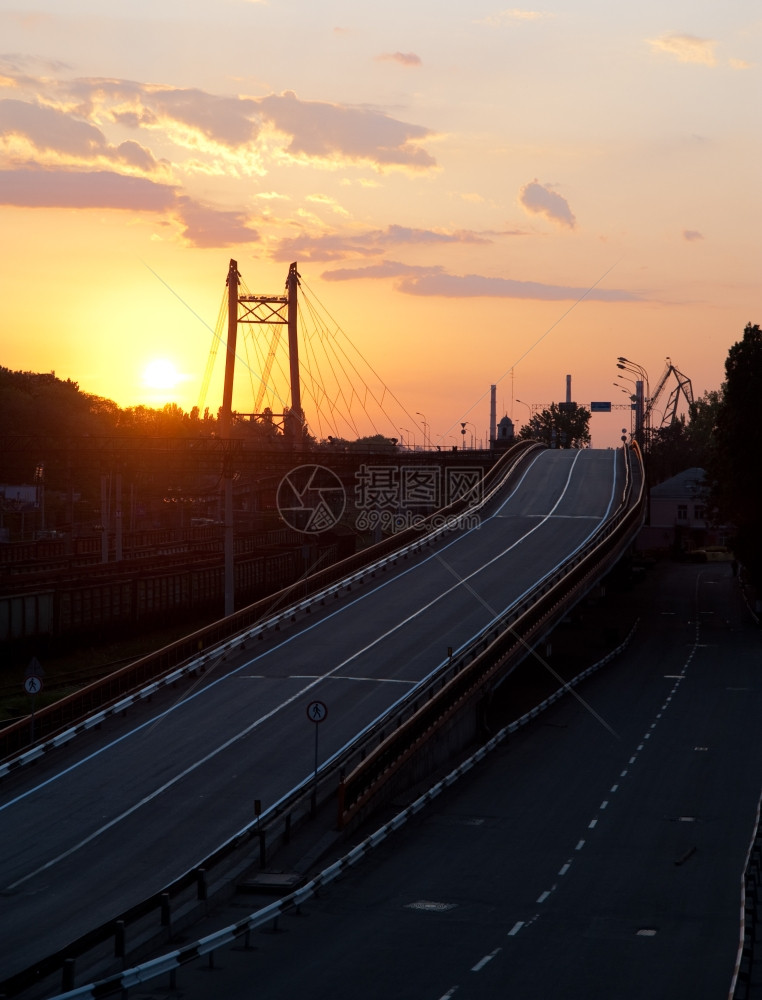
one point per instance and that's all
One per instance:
(435, 281)
(335, 246)
(403, 58)
(541, 199)
(200, 225)
(260, 131)
(686, 48)
(513, 15)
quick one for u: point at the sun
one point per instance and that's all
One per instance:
(161, 374)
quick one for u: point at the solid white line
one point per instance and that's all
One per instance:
(482, 962)
(516, 928)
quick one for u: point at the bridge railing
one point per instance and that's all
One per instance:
(196, 652)
(496, 652)
(360, 768)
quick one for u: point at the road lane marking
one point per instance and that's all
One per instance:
(516, 928)
(580, 845)
(543, 896)
(487, 958)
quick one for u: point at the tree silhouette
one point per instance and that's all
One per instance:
(733, 471)
(559, 428)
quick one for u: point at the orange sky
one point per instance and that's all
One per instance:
(476, 195)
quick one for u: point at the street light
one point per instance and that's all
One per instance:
(404, 430)
(425, 426)
(642, 402)
(527, 406)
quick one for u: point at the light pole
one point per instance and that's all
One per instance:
(528, 408)
(642, 401)
(425, 427)
(404, 430)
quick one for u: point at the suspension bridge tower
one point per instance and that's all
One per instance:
(270, 310)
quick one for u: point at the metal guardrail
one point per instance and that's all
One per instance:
(107, 692)
(170, 962)
(297, 806)
(507, 643)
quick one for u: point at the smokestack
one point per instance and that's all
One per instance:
(492, 414)
(568, 389)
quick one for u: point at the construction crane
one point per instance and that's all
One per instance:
(683, 388)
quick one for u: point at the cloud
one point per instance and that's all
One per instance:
(40, 188)
(275, 126)
(514, 14)
(686, 48)
(202, 225)
(334, 246)
(435, 281)
(540, 199)
(692, 234)
(52, 131)
(403, 58)
(386, 269)
(212, 227)
(341, 132)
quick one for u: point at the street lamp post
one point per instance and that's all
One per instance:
(529, 408)
(425, 428)
(642, 400)
(404, 430)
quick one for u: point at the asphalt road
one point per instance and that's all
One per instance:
(122, 811)
(598, 854)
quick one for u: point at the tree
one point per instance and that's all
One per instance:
(733, 472)
(685, 444)
(559, 428)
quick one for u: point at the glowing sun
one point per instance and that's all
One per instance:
(161, 374)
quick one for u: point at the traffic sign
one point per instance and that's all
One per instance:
(33, 684)
(316, 711)
(600, 407)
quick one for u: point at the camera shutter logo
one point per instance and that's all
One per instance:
(311, 499)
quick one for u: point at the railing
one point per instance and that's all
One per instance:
(491, 656)
(278, 823)
(194, 652)
(379, 750)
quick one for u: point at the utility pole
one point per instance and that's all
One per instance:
(296, 417)
(226, 422)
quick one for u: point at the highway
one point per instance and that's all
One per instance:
(123, 810)
(596, 854)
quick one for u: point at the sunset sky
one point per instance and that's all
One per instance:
(476, 194)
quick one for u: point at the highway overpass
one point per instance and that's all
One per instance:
(123, 810)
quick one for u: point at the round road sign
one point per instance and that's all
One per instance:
(316, 711)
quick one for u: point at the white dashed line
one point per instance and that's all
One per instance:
(604, 803)
(564, 868)
(543, 896)
(580, 845)
(614, 788)
(482, 962)
(516, 928)
(592, 824)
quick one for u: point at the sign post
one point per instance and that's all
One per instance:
(33, 685)
(316, 712)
